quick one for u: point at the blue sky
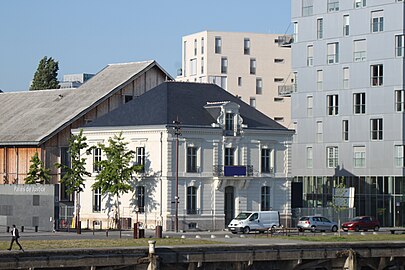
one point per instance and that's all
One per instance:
(86, 35)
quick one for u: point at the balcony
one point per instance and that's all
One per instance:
(286, 90)
(285, 40)
(233, 171)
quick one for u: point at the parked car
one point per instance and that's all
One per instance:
(316, 223)
(364, 223)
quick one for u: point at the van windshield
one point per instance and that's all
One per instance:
(243, 215)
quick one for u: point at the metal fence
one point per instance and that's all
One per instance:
(328, 212)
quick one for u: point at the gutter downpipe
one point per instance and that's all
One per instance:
(161, 176)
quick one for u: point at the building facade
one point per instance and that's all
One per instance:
(231, 158)
(348, 108)
(249, 65)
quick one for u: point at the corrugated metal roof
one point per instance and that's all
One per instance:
(32, 117)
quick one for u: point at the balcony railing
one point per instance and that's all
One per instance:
(285, 40)
(286, 90)
(233, 171)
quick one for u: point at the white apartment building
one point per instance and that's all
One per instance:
(249, 65)
(348, 109)
(231, 158)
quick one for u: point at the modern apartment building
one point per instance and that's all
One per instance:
(348, 108)
(248, 65)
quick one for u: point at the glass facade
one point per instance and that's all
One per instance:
(378, 196)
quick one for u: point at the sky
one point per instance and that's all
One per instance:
(84, 36)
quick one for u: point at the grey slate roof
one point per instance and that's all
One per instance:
(169, 100)
(32, 117)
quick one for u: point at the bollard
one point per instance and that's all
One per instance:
(135, 230)
(79, 227)
(158, 231)
(141, 233)
(151, 246)
(22, 228)
(106, 233)
(36, 228)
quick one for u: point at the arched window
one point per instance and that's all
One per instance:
(265, 202)
(191, 200)
(140, 195)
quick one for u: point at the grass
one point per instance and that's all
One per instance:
(92, 243)
(347, 238)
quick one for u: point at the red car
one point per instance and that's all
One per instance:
(364, 223)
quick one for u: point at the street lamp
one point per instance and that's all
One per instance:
(177, 132)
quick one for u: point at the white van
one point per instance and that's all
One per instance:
(254, 221)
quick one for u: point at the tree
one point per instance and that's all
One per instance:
(37, 173)
(73, 177)
(46, 75)
(116, 171)
(340, 200)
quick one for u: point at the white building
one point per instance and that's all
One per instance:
(348, 108)
(231, 158)
(249, 65)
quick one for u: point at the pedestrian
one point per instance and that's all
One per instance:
(14, 237)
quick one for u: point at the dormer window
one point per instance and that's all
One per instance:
(229, 122)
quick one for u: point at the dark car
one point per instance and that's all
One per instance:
(364, 223)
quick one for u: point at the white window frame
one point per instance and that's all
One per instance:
(310, 157)
(218, 45)
(319, 79)
(346, 77)
(376, 129)
(360, 3)
(259, 86)
(310, 55)
(346, 25)
(377, 75)
(310, 105)
(359, 103)
(377, 21)
(359, 156)
(332, 104)
(319, 131)
(399, 156)
(332, 156)
(307, 8)
(400, 45)
(345, 130)
(332, 53)
(359, 50)
(333, 5)
(319, 28)
(193, 67)
(400, 100)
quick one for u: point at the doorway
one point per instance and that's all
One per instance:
(229, 204)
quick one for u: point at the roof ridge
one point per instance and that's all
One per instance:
(130, 63)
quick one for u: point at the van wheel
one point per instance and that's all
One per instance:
(246, 230)
(313, 229)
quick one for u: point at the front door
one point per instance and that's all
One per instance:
(229, 205)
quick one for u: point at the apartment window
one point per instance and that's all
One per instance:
(265, 200)
(295, 32)
(359, 103)
(319, 131)
(96, 160)
(35, 200)
(310, 105)
(202, 45)
(359, 50)
(279, 60)
(345, 130)
(399, 156)
(359, 3)
(376, 128)
(246, 46)
(359, 156)
(224, 65)
(184, 71)
(202, 65)
(259, 86)
(193, 66)
(333, 53)
(333, 5)
(310, 157)
(346, 25)
(307, 7)
(319, 79)
(266, 166)
(229, 156)
(333, 104)
(97, 200)
(140, 157)
(252, 66)
(346, 78)
(377, 21)
(332, 156)
(399, 100)
(376, 75)
(218, 45)
(319, 28)
(252, 102)
(399, 45)
(140, 197)
(191, 204)
(239, 81)
(310, 55)
(195, 47)
(192, 159)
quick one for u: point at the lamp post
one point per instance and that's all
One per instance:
(177, 132)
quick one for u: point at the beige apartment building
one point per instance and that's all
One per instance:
(251, 66)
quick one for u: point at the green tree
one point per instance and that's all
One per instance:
(339, 202)
(73, 177)
(116, 171)
(37, 173)
(46, 75)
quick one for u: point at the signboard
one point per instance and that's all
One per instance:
(343, 197)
